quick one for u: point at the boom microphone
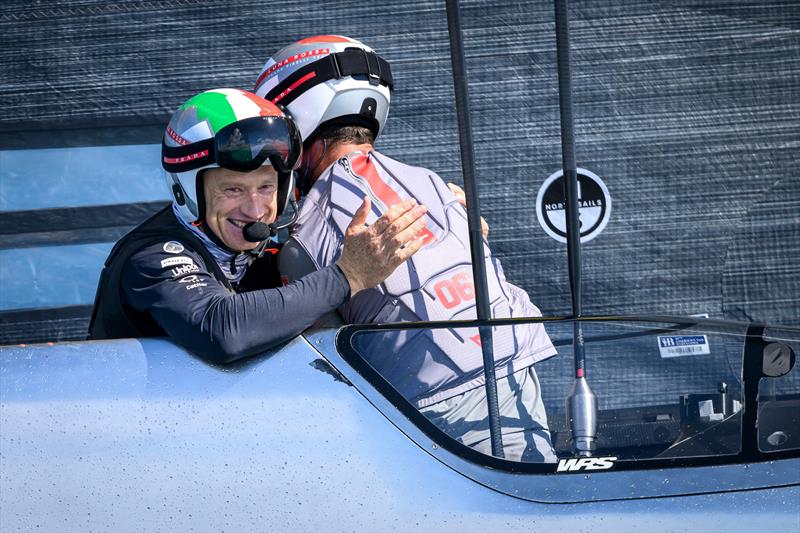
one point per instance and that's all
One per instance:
(256, 232)
(261, 232)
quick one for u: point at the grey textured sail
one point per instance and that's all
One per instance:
(688, 111)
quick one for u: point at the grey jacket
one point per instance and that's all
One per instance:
(426, 366)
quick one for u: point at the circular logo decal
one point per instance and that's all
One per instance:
(173, 247)
(594, 205)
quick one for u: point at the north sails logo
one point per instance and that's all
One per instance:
(594, 205)
(585, 463)
(177, 260)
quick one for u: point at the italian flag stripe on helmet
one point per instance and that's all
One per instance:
(243, 106)
(265, 108)
(221, 107)
(213, 107)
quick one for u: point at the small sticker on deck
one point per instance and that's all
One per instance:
(681, 345)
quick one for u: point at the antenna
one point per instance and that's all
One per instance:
(473, 220)
(581, 403)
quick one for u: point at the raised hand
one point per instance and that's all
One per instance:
(372, 253)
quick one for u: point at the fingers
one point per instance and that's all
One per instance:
(462, 199)
(412, 217)
(402, 254)
(403, 235)
(371, 253)
(458, 192)
(360, 216)
(392, 214)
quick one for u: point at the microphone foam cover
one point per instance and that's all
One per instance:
(256, 232)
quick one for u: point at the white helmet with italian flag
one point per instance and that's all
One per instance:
(231, 129)
(328, 80)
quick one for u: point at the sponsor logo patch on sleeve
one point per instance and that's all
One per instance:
(177, 260)
(183, 270)
(193, 282)
(173, 247)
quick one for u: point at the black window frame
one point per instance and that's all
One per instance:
(751, 375)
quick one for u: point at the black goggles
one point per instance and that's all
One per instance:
(242, 146)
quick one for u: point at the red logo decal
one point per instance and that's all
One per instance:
(293, 86)
(289, 61)
(365, 168)
(175, 137)
(184, 159)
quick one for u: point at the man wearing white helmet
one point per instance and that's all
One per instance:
(338, 91)
(199, 270)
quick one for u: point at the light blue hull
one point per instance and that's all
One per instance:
(138, 435)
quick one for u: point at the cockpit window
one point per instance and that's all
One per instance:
(664, 391)
(661, 391)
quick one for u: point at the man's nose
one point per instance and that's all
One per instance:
(253, 206)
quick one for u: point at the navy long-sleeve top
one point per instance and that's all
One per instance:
(177, 293)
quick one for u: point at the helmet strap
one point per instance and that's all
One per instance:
(352, 62)
(199, 192)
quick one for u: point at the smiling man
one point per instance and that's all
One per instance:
(234, 200)
(195, 271)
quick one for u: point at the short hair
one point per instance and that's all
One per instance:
(334, 135)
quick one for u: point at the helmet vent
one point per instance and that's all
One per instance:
(368, 107)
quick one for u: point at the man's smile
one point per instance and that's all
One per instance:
(240, 223)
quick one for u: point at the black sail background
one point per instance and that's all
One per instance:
(688, 111)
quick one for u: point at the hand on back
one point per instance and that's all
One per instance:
(371, 253)
(462, 199)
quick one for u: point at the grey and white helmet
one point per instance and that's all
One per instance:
(328, 79)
